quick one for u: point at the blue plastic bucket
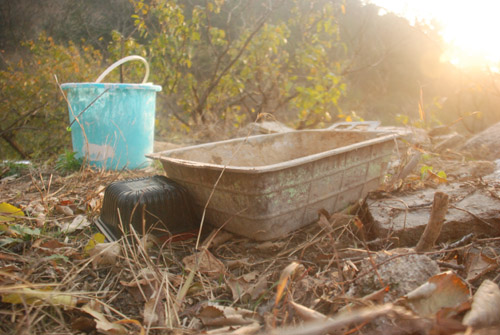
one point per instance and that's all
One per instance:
(112, 125)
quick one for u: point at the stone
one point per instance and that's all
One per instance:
(411, 135)
(439, 131)
(404, 218)
(400, 269)
(484, 145)
(450, 141)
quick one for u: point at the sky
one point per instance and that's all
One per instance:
(471, 28)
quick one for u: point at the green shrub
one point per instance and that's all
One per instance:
(34, 114)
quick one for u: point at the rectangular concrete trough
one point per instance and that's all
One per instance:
(274, 184)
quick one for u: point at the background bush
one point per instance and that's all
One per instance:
(223, 63)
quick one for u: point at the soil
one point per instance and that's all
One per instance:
(343, 270)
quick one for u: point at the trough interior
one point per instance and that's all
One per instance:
(268, 150)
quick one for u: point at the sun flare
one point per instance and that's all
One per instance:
(471, 29)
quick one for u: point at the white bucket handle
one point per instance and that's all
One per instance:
(120, 62)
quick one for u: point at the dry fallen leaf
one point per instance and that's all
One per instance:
(9, 212)
(216, 238)
(48, 244)
(144, 284)
(97, 238)
(247, 287)
(286, 274)
(105, 253)
(270, 246)
(238, 263)
(154, 312)
(102, 324)
(55, 247)
(214, 315)
(250, 329)
(78, 223)
(485, 311)
(32, 296)
(306, 313)
(145, 276)
(64, 210)
(442, 290)
(95, 203)
(340, 321)
(204, 262)
(83, 324)
(35, 208)
(40, 220)
(479, 264)
(334, 221)
(250, 276)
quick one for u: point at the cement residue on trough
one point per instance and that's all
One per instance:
(269, 150)
(269, 185)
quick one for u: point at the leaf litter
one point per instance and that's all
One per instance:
(58, 275)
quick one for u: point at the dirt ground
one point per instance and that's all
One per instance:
(339, 275)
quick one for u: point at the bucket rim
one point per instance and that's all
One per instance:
(147, 86)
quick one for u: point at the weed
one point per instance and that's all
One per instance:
(15, 234)
(10, 168)
(68, 162)
(427, 171)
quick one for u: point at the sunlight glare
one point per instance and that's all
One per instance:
(469, 27)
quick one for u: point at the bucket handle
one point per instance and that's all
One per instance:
(120, 62)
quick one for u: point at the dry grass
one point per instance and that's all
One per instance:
(56, 284)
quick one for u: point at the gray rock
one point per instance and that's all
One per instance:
(400, 269)
(409, 135)
(403, 219)
(485, 144)
(450, 141)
